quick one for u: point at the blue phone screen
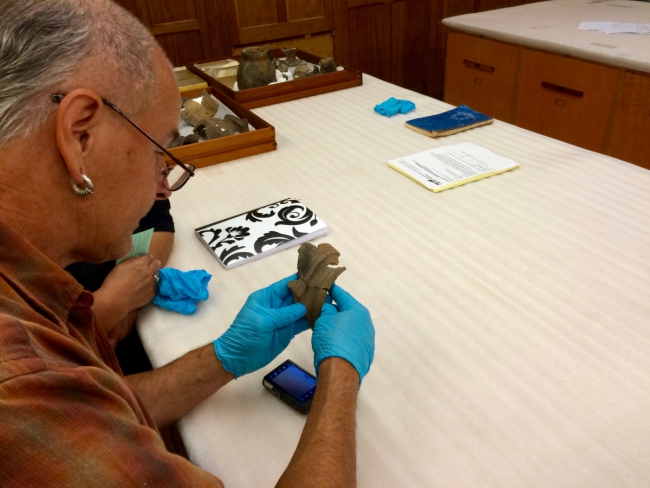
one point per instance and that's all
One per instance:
(295, 382)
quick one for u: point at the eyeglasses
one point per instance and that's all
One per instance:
(176, 176)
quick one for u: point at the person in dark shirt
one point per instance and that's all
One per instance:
(130, 285)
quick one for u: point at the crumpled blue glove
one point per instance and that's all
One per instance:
(262, 329)
(179, 291)
(344, 330)
(391, 106)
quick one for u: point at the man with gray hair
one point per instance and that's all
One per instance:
(88, 103)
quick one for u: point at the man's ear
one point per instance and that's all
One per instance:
(78, 116)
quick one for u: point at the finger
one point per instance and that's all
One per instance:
(300, 326)
(281, 288)
(154, 266)
(343, 299)
(328, 309)
(286, 316)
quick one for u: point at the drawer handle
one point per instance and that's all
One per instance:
(482, 67)
(562, 89)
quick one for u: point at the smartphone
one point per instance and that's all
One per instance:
(293, 385)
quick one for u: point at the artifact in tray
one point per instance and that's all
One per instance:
(201, 116)
(259, 67)
(315, 277)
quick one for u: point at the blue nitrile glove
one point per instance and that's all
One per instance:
(179, 291)
(391, 106)
(262, 329)
(344, 331)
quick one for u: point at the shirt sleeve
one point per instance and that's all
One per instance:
(83, 427)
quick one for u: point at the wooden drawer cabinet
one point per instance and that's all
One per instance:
(565, 98)
(482, 74)
(601, 108)
(630, 139)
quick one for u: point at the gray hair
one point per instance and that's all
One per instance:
(44, 42)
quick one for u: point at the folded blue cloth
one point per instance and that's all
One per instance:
(179, 291)
(391, 106)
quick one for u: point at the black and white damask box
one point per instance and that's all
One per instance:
(260, 232)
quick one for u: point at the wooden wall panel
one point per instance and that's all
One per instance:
(304, 9)
(182, 47)
(320, 45)
(366, 31)
(483, 5)
(165, 11)
(261, 21)
(129, 5)
(257, 13)
(409, 43)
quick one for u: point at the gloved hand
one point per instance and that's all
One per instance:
(262, 329)
(344, 330)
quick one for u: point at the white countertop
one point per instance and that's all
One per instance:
(553, 26)
(512, 313)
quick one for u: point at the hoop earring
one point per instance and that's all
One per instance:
(88, 189)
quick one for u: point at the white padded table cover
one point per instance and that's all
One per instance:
(553, 26)
(512, 314)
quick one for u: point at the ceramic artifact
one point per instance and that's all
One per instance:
(191, 139)
(235, 123)
(327, 65)
(194, 112)
(290, 53)
(255, 69)
(315, 277)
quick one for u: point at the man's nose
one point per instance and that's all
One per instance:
(162, 192)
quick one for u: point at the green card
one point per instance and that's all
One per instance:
(140, 246)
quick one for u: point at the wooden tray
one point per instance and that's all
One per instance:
(236, 146)
(289, 90)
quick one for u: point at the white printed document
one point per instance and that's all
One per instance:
(449, 166)
(615, 27)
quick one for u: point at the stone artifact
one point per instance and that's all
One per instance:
(327, 65)
(212, 132)
(315, 277)
(255, 69)
(290, 53)
(301, 71)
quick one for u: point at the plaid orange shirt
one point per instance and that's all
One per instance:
(67, 415)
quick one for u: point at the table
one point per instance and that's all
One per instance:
(512, 313)
(531, 66)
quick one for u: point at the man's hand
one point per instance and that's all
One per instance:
(129, 286)
(262, 329)
(344, 330)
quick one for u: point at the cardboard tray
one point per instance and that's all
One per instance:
(289, 90)
(216, 151)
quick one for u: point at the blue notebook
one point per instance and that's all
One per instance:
(448, 123)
